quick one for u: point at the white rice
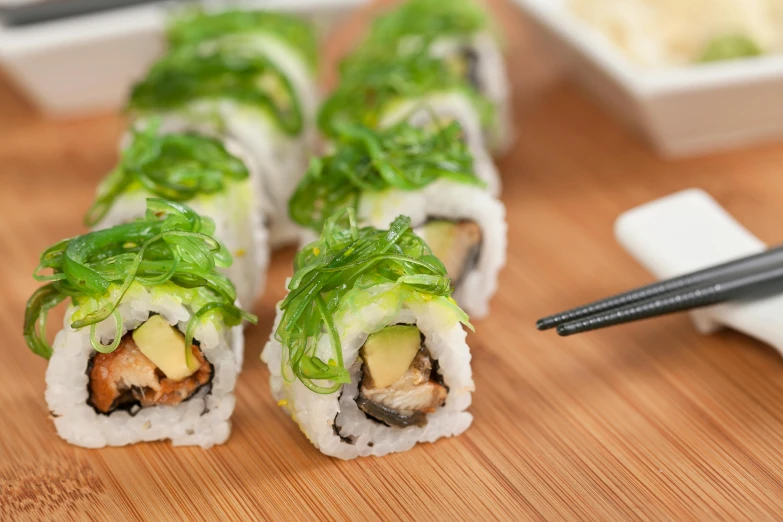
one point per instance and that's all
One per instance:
(453, 201)
(239, 225)
(317, 414)
(202, 420)
(448, 106)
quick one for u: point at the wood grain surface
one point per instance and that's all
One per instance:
(648, 421)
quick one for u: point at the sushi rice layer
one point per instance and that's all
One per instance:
(203, 420)
(319, 415)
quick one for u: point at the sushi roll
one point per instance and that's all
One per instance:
(200, 171)
(368, 352)
(152, 339)
(288, 41)
(249, 76)
(380, 89)
(461, 33)
(426, 174)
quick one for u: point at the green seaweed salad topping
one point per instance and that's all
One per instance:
(373, 81)
(402, 156)
(221, 70)
(171, 244)
(427, 20)
(177, 167)
(197, 26)
(345, 261)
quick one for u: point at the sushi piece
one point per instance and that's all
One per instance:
(461, 33)
(152, 340)
(368, 354)
(202, 172)
(249, 76)
(426, 174)
(379, 89)
(289, 42)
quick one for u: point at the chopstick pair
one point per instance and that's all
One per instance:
(748, 277)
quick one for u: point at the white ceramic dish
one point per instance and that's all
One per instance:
(689, 231)
(87, 64)
(683, 111)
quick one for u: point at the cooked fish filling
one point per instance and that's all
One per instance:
(456, 243)
(407, 400)
(126, 377)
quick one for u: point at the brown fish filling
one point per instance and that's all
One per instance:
(400, 383)
(456, 243)
(126, 377)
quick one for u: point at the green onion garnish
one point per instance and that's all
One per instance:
(335, 271)
(177, 167)
(171, 244)
(402, 156)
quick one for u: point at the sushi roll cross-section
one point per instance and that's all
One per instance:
(204, 173)
(368, 354)
(426, 174)
(152, 340)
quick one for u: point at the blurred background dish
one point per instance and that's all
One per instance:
(671, 33)
(86, 64)
(645, 67)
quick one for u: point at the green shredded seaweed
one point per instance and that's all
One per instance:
(222, 70)
(416, 25)
(402, 156)
(177, 167)
(730, 47)
(372, 81)
(426, 20)
(172, 244)
(197, 26)
(342, 265)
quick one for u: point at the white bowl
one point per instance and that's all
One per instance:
(683, 111)
(87, 64)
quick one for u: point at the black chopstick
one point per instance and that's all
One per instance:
(758, 284)
(50, 10)
(770, 258)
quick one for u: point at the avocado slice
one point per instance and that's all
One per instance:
(388, 354)
(164, 345)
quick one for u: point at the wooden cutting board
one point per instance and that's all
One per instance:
(645, 421)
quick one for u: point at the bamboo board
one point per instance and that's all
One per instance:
(646, 421)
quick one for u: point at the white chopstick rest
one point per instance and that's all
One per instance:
(688, 231)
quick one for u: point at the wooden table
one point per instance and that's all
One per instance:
(647, 421)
